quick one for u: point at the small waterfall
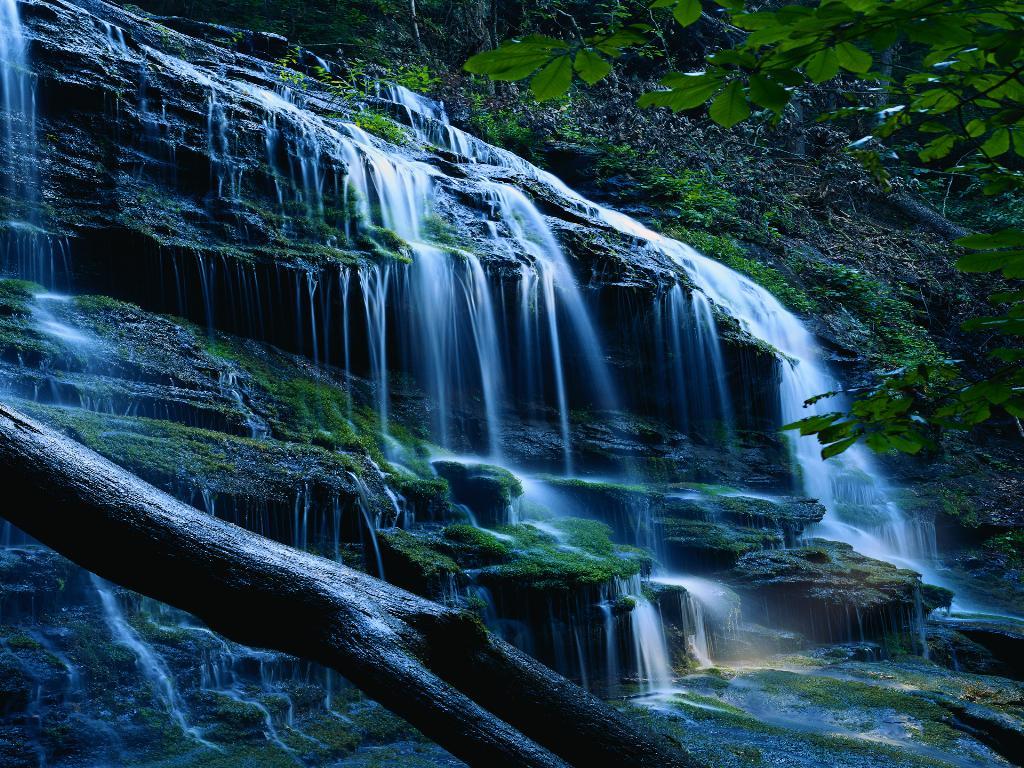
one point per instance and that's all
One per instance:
(25, 247)
(17, 93)
(371, 521)
(702, 601)
(149, 662)
(648, 636)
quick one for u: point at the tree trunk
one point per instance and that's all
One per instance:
(475, 695)
(921, 213)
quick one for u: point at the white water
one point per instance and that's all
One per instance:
(648, 636)
(877, 527)
(16, 91)
(152, 667)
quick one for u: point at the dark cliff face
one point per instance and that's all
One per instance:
(187, 183)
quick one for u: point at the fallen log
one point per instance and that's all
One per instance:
(477, 696)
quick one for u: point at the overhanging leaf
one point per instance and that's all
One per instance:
(852, 58)
(591, 67)
(730, 106)
(822, 66)
(554, 80)
(686, 12)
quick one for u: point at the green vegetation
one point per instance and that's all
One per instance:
(416, 555)
(895, 337)
(502, 126)
(382, 126)
(476, 541)
(575, 554)
(728, 250)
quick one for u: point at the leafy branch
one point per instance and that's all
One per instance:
(961, 95)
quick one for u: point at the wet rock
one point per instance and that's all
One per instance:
(825, 590)
(999, 637)
(489, 492)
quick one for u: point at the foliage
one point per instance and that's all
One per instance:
(958, 110)
(415, 77)
(381, 125)
(501, 127)
(905, 408)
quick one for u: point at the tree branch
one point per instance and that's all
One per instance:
(478, 697)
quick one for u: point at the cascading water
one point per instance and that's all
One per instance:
(18, 99)
(445, 316)
(150, 664)
(860, 510)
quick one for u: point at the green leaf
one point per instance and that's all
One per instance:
(730, 106)
(687, 92)
(686, 12)
(1005, 238)
(554, 80)
(975, 128)
(814, 424)
(822, 66)
(768, 94)
(836, 448)
(591, 67)
(852, 58)
(998, 143)
(990, 261)
(516, 59)
(1018, 142)
(937, 148)
(612, 45)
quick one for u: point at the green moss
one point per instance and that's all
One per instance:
(482, 543)
(378, 726)
(382, 126)
(718, 539)
(828, 572)
(335, 736)
(304, 409)
(568, 555)
(488, 491)
(838, 695)
(895, 338)
(20, 641)
(235, 720)
(1010, 545)
(163, 452)
(502, 126)
(728, 250)
(415, 555)
(19, 338)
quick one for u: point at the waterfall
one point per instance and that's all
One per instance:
(149, 662)
(17, 96)
(475, 341)
(852, 489)
(648, 636)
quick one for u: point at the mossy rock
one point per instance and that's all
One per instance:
(787, 514)
(709, 546)
(415, 561)
(562, 556)
(827, 591)
(488, 491)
